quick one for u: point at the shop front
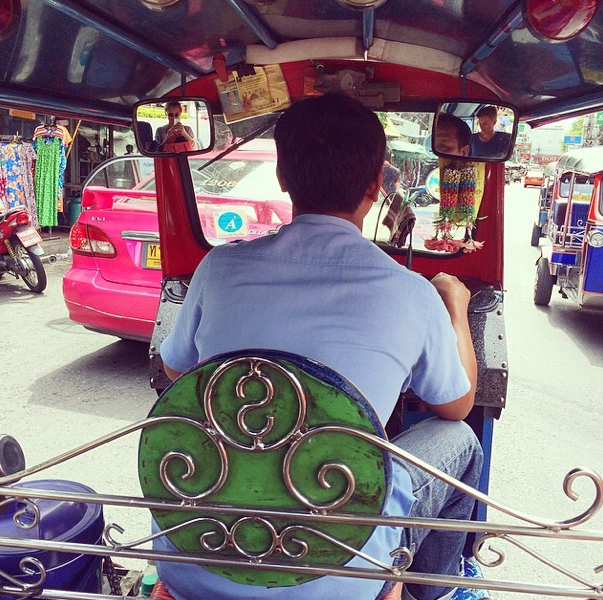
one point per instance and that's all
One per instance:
(44, 162)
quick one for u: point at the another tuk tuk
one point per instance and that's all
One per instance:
(539, 228)
(572, 255)
(233, 67)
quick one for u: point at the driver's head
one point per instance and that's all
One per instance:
(330, 149)
(452, 135)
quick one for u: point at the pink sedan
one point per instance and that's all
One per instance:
(114, 284)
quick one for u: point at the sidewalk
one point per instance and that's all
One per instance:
(56, 243)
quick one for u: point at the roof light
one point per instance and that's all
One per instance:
(362, 4)
(555, 21)
(158, 4)
(10, 11)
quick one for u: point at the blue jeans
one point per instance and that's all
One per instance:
(452, 447)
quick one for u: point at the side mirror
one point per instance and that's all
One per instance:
(474, 131)
(179, 125)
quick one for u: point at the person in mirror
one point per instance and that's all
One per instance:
(174, 131)
(489, 143)
(452, 135)
(504, 122)
(335, 290)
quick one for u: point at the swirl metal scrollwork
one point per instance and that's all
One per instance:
(255, 373)
(29, 566)
(323, 471)
(188, 460)
(278, 543)
(478, 552)
(594, 508)
(30, 509)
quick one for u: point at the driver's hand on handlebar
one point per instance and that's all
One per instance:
(454, 293)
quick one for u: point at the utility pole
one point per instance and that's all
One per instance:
(590, 131)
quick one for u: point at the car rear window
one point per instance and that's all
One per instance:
(239, 178)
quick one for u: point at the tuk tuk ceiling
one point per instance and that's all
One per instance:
(95, 58)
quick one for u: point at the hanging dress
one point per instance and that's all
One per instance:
(50, 142)
(3, 195)
(16, 177)
(48, 163)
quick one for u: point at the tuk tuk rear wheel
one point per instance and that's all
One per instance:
(543, 286)
(536, 235)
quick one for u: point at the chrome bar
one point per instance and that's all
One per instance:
(482, 527)
(595, 591)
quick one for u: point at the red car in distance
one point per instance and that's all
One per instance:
(533, 177)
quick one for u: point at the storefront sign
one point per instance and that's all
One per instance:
(21, 114)
(572, 139)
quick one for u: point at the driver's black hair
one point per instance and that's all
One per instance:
(462, 131)
(330, 148)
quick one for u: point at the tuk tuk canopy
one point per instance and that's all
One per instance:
(94, 59)
(587, 161)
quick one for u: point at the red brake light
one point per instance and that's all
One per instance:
(92, 241)
(23, 219)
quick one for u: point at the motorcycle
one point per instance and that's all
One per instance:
(420, 196)
(20, 249)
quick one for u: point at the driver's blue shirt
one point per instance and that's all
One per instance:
(319, 289)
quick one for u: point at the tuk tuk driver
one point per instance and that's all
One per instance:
(319, 289)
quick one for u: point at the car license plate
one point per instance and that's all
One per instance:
(29, 237)
(151, 256)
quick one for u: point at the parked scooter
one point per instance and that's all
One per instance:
(420, 196)
(20, 250)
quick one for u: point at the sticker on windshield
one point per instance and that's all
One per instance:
(230, 224)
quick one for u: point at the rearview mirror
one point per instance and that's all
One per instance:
(474, 131)
(178, 125)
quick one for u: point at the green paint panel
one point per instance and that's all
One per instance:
(255, 478)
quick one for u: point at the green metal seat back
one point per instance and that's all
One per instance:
(264, 429)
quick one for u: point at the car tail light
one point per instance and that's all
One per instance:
(90, 240)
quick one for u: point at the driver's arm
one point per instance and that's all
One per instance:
(171, 373)
(456, 300)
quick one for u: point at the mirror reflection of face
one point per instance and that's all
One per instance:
(486, 124)
(446, 141)
(173, 113)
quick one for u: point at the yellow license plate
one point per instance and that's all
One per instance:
(151, 256)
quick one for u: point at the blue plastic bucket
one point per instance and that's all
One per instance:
(60, 521)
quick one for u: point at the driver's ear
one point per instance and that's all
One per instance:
(465, 150)
(281, 180)
(372, 191)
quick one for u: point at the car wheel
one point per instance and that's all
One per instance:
(543, 286)
(536, 235)
(525, 185)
